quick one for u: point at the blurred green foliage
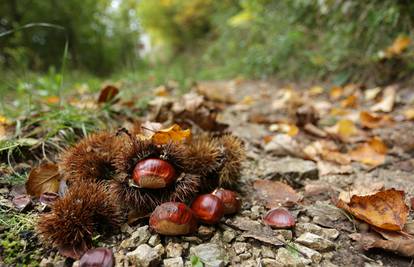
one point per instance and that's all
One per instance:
(340, 39)
(289, 38)
(101, 37)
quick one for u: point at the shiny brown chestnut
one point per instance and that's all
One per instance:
(231, 201)
(279, 218)
(173, 218)
(208, 208)
(153, 173)
(102, 257)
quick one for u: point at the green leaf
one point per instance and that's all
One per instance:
(196, 262)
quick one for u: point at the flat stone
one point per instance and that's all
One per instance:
(125, 228)
(245, 256)
(240, 247)
(154, 240)
(286, 258)
(315, 256)
(174, 262)
(206, 232)
(212, 255)
(174, 250)
(291, 169)
(267, 252)
(315, 242)
(301, 228)
(228, 235)
(248, 263)
(145, 255)
(266, 262)
(138, 237)
(256, 211)
(325, 214)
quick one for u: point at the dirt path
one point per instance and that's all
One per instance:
(274, 123)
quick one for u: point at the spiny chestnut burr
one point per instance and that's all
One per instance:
(102, 257)
(154, 173)
(173, 218)
(208, 208)
(279, 218)
(230, 200)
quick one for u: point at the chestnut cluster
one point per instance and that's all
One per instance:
(110, 175)
(176, 218)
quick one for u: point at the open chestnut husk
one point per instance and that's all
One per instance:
(154, 173)
(173, 218)
(208, 208)
(231, 201)
(279, 218)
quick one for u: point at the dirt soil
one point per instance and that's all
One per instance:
(271, 119)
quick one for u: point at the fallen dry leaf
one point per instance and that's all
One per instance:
(373, 120)
(275, 193)
(388, 99)
(161, 91)
(107, 94)
(402, 246)
(316, 90)
(43, 178)
(287, 128)
(326, 167)
(371, 94)
(398, 46)
(371, 153)
(336, 92)
(409, 114)
(344, 130)
(171, 134)
(349, 102)
(385, 209)
(361, 190)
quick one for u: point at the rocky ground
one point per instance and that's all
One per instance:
(322, 235)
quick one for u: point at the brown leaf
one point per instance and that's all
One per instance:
(276, 193)
(385, 209)
(43, 178)
(107, 94)
(371, 153)
(400, 245)
(349, 102)
(373, 120)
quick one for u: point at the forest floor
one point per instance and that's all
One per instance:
(309, 149)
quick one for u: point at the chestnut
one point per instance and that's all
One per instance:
(208, 208)
(173, 218)
(230, 200)
(102, 257)
(279, 218)
(153, 173)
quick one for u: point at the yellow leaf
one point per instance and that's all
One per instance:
(52, 100)
(289, 129)
(336, 92)
(171, 134)
(316, 90)
(161, 91)
(409, 114)
(398, 46)
(241, 18)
